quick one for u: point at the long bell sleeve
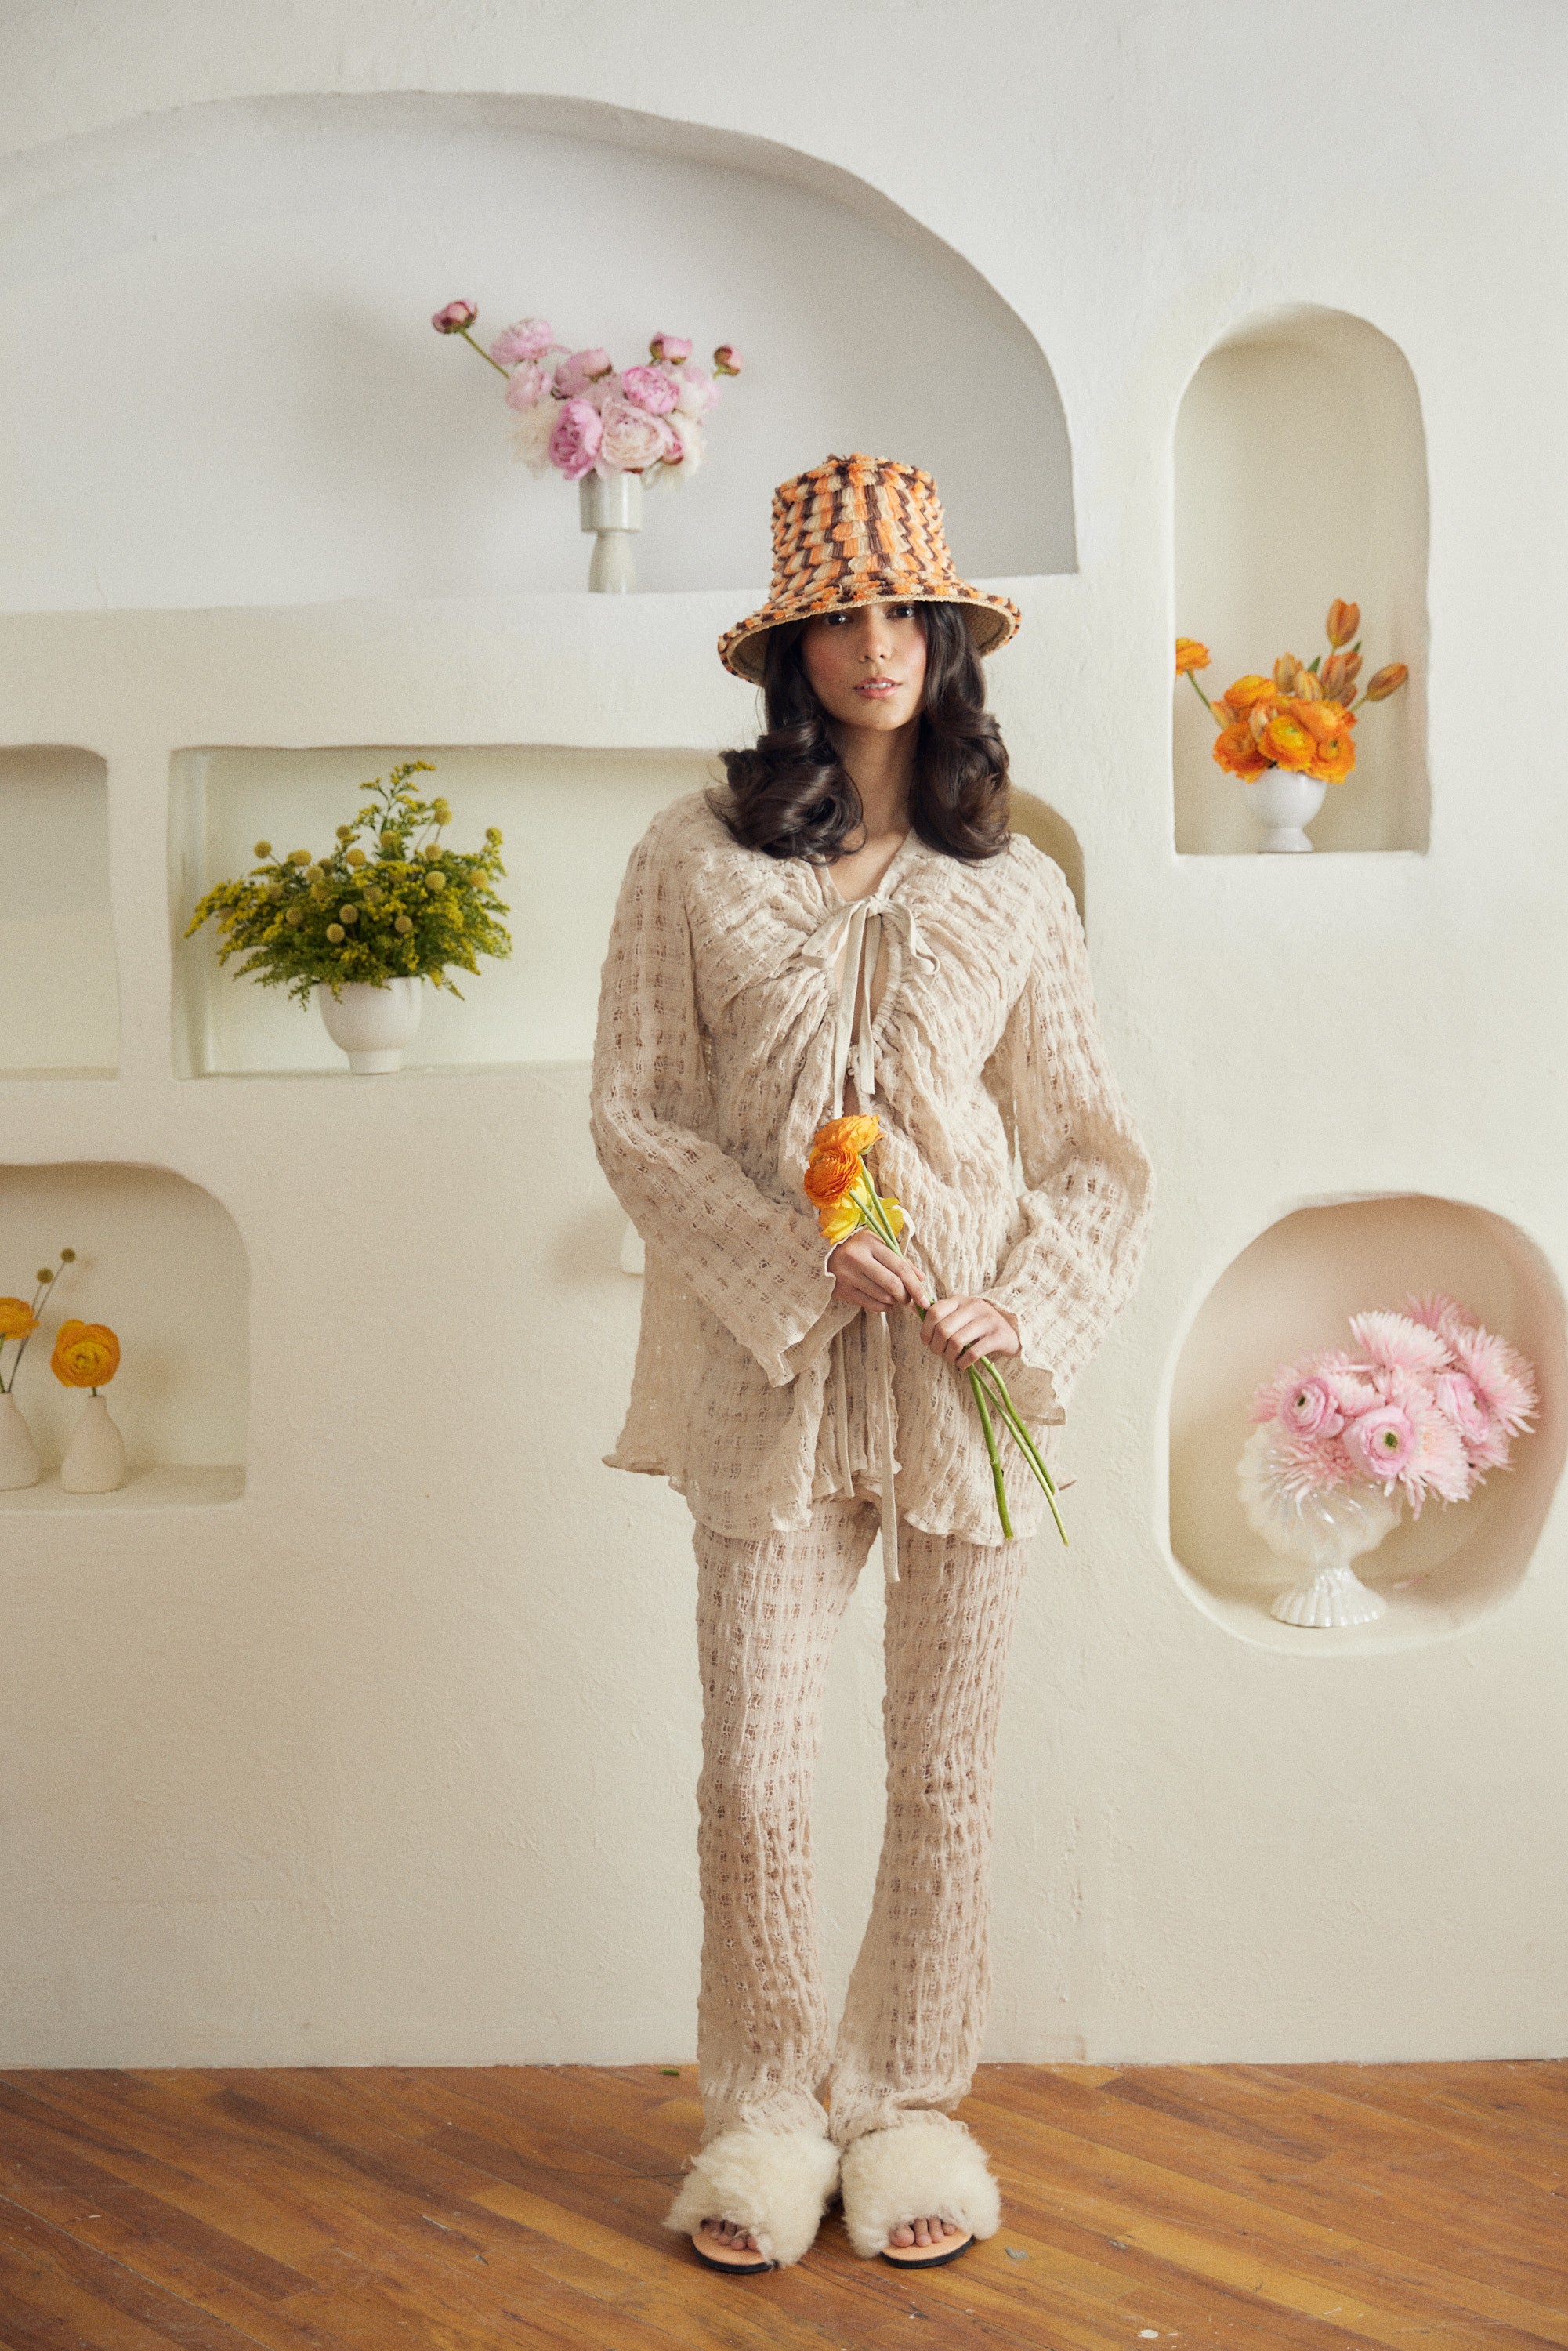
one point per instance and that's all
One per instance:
(1089, 1184)
(757, 1263)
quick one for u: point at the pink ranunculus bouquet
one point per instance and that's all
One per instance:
(583, 415)
(1426, 1402)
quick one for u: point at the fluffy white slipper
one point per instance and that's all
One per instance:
(924, 2163)
(774, 2183)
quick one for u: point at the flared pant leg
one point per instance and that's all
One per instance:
(768, 1613)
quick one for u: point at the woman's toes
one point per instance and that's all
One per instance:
(902, 2235)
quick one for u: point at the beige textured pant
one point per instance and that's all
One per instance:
(768, 1611)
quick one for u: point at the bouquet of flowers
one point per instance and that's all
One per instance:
(19, 1320)
(406, 907)
(583, 415)
(1427, 1403)
(839, 1188)
(1303, 716)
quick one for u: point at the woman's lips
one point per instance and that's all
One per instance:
(877, 689)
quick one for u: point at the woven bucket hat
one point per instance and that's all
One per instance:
(860, 531)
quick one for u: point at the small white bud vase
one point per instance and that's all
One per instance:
(1284, 800)
(20, 1462)
(372, 1025)
(611, 506)
(95, 1459)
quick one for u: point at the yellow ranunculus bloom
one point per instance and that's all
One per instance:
(1190, 655)
(838, 1219)
(87, 1355)
(892, 1212)
(17, 1319)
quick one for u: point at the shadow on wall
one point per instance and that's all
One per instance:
(328, 445)
(1308, 396)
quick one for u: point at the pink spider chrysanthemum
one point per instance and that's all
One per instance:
(1440, 1313)
(1395, 1344)
(1500, 1375)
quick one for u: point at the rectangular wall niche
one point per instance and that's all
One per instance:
(161, 1262)
(1300, 475)
(570, 819)
(60, 993)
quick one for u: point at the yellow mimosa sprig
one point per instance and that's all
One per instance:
(839, 1185)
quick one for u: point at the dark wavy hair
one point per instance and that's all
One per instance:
(792, 795)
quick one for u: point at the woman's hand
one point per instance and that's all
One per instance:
(959, 1329)
(866, 1272)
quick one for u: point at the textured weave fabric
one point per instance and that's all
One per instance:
(713, 1068)
(914, 2017)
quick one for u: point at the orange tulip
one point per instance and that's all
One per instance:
(1285, 742)
(1246, 691)
(1342, 622)
(87, 1355)
(17, 1319)
(1339, 673)
(1190, 655)
(1287, 670)
(1237, 754)
(1386, 681)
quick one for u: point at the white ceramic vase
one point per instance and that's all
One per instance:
(95, 1459)
(611, 508)
(1323, 1533)
(372, 1025)
(20, 1464)
(1283, 802)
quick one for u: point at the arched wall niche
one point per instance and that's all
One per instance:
(1041, 823)
(1300, 475)
(284, 427)
(161, 1262)
(1288, 1293)
(59, 989)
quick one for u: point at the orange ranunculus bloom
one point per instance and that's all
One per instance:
(87, 1355)
(1246, 691)
(1322, 720)
(857, 1132)
(1386, 682)
(17, 1319)
(1342, 622)
(1236, 752)
(1333, 758)
(834, 1170)
(1285, 742)
(1190, 655)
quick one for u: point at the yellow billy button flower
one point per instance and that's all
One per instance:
(263, 849)
(345, 832)
(402, 926)
(347, 913)
(435, 883)
(355, 857)
(336, 933)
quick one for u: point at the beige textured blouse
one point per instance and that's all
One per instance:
(738, 993)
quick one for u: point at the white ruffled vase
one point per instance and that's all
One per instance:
(1323, 1533)
(95, 1459)
(372, 1025)
(20, 1462)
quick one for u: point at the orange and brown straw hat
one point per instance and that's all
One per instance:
(860, 531)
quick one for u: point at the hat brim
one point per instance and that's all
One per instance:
(992, 620)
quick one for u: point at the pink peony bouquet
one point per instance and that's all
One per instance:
(1428, 1402)
(583, 416)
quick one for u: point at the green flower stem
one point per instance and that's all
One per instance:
(1201, 696)
(483, 353)
(996, 1459)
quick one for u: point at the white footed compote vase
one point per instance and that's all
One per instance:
(611, 506)
(1320, 1532)
(1284, 802)
(20, 1463)
(95, 1459)
(372, 1025)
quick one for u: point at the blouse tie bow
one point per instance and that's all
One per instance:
(862, 922)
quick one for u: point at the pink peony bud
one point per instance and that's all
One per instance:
(573, 375)
(1380, 1443)
(649, 388)
(673, 348)
(726, 359)
(454, 318)
(574, 444)
(530, 339)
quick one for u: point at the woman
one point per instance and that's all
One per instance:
(851, 926)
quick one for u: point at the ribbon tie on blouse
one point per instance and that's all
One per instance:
(861, 922)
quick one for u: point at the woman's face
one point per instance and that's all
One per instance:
(867, 666)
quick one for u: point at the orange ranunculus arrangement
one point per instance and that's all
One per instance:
(1302, 717)
(87, 1355)
(839, 1188)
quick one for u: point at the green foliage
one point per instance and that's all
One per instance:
(395, 906)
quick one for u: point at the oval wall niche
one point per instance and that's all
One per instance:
(326, 444)
(1300, 475)
(1288, 1293)
(161, 1262)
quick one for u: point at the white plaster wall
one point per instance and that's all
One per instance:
(394, 1759)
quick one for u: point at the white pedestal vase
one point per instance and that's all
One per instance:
(372, 1025)
(1321, 1533)
(1283, 802)
(20, 1463)
(611, 508)
(95, 1459)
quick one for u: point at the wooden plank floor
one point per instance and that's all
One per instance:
(1277, 2208)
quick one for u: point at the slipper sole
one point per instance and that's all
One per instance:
(905, 2258)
